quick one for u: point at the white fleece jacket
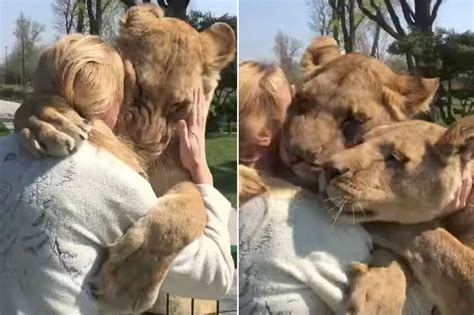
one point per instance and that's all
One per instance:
(56, 216)
(293, 260)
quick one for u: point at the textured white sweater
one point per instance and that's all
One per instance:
(293, 260)
(56, 215)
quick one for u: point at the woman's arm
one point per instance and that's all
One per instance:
(205, 269)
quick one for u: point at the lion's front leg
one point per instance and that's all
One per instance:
(137, 264)
(442, 264)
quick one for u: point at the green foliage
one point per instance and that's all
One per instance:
(3, 130)
(14, 93)
(223, 110)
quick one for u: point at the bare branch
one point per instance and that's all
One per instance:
(379, 19)
(129, 3)
(434, 12)
(393, 16)
(407, 12)
(107, 3)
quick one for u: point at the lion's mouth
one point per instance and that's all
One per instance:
(344, 206)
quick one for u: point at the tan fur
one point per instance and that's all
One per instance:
(346, 96)
(361, 91)
(440, 252)
(250, 183)
(164, 60)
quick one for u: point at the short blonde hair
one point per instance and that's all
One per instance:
(83, 69)
(260, 88)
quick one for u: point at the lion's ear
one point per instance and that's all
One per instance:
(142, 13)
(411, 95)
(219, 45)
(458, 139)
(321, 51)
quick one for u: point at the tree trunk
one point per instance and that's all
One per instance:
(410, 63)
(375, 43)
(80, 15)
(352, 26)
(23, 63)
(92, 21)
(98, 17)
(423, 15)
(175, 8)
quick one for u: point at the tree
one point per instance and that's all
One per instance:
(455, 68)
(224, 104)
(27, 35)
(321, 16)
(420, 24)
(172, 8)
(65, 13)
(95, 11)
(97, 17)
(340, 18)
(81, 9)
(286, 50)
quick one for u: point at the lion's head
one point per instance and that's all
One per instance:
(343, 97)
(165, 59)
(405, 172)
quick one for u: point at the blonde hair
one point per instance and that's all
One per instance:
(260, 89)
(87, 74)
(83, 69)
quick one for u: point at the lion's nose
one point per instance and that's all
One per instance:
(332, 170)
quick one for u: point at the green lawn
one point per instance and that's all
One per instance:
(3, 130)
(14, 93)
(222, 159)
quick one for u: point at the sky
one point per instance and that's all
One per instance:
(260, 20)
(40, 11)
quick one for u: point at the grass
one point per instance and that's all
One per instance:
(14, 93)
(3, 130)
(222, 159)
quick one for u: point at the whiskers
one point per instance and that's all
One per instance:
(338, 207)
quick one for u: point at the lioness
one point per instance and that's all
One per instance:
(410, 172)
(164, 59)
(342, 98)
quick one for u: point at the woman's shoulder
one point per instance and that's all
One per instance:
(103, 165)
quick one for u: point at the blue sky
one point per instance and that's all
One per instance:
(40, 11)
(260, 20)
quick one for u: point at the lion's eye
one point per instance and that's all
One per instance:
(179, 110)
(395, 159)
(351, 129)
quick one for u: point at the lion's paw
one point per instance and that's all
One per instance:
(131, 277)
(375, 291)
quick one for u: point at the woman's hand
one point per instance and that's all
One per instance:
(192, 133)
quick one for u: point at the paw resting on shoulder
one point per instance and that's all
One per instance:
(50, 127)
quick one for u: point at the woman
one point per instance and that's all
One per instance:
(265, 95)
(58, 214)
